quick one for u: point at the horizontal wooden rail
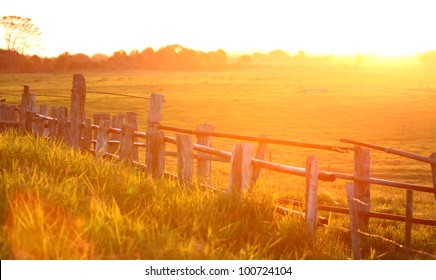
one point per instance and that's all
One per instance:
(383, 182)
(324, 176)
(258, 139)
(393, 151)
(377, 215)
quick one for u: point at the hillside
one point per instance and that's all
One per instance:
(60, 204)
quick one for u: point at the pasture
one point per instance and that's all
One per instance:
(388, 106)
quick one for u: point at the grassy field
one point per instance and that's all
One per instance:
(95, 209)
(388, 106)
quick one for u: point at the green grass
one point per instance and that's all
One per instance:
(61, 204)
(57, 203)
(379, 105)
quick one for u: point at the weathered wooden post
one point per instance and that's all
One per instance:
(53, 124)
(97, 117)
(102, 136)
(132, 119)
(155, 141)
(126, 143)
(38, 126)
(26, 105)
(63, 129)
(204, 165)
(28, 126)
(408, 231)
(43, 110)
(312, 195)
(77, 110)
(87, 136)
(354, 222)
(362, 169)
(260, 154)
(185, 159)
(117, 121)
(433, 171)
(240, 167)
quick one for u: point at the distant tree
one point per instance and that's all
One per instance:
(20, 34)
(99, 57)
(245, 60)
(278, 57)
(428, 58)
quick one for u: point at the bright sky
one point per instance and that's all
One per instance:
(314, 26)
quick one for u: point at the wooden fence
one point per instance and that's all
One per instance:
(119, 138)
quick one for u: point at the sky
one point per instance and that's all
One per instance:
(338, 27)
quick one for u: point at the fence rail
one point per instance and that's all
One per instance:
(117, 138)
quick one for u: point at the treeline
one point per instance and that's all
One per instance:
(172, 57)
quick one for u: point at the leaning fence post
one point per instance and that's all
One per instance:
(185, 159)
(312, 195)
(77, 109)
(204, 165)
(362, 190)
(126, 143)
(433, 171)
(260, 154)
(155, 141)
(102, 135)
(240, 168)
(354, 222)
(408, 231)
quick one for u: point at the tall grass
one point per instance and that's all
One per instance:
(57, 203)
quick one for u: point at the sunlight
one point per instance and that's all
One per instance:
(338, 27)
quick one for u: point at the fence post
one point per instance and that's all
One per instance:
(362, 190)
(117, 121)
(53, 125)
(87, 136)
(312, 195)
(433, 171)
(126, 143)
(26, 105)
(408, 231)
(63, 128)
(260, 154)
(204, 165)
(77, 109)
(354, 222)
(97, 117)
(185, 159)
(155, 141)
(240, 167)
(28, 126)
(43, 110)
(132, 119)
(38, 126)
(102, 135)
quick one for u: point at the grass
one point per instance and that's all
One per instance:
(93, 209)
(388, 106)
(60, 204)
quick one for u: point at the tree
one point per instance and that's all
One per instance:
(20, 34)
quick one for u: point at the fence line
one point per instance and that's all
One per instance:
(77, 132)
